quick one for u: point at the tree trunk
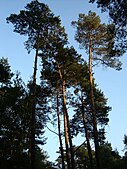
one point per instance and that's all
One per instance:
(87, 136)
(69, 152)
(95, 132)
(65, 119)
(33, 116)
(68, 128)
(59, 133)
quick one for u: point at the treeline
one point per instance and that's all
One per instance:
(66, 97)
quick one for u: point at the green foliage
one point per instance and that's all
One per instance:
(82, 157)
(39, 24)
(102, 36)
(117, 10)
(109, 159)
(102, 110)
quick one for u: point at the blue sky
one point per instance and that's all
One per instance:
(111, 82)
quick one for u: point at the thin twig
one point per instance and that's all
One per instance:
(52, 130)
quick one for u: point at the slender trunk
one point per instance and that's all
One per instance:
(33, 116)
(59, 133)
(87, 137)
(68, 127)
(69, 153)
(71, 145)
(93, 107)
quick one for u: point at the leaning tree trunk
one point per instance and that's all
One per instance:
(87, 136)
(95, 132)
(33, 116)
(59, 133)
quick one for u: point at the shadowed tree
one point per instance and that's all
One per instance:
(15, 113)
(5, 72)
(79, 107)
(61, 70)
(14, 123)
(82, 119)
(81, 157)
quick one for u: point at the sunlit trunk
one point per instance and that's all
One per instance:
(93, 107)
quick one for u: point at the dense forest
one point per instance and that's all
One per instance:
(66, 96)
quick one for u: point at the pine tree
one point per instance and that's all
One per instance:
(98, 41)
(38, 23)
(60, 71)
(82, 119)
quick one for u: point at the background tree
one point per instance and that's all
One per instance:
(125, 143)
(82, 119)
(82, 157)
(14, 124)
(109, 158)
(124, 159)
(15, 113)
(5, 72)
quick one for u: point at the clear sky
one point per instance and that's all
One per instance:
(111, 82)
